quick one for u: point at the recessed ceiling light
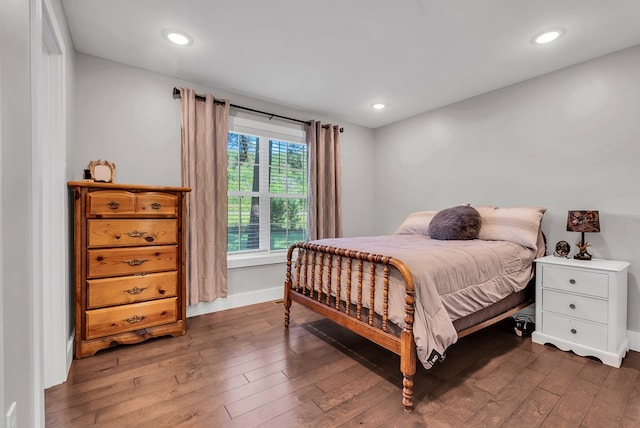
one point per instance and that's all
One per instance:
(547, 36)
(378, 106)
(178, 37)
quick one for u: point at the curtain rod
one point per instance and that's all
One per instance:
(176, 94)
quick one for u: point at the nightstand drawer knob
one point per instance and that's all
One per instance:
(572, 306)
(574, 331)
(572, 281)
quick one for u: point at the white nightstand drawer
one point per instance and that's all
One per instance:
(576, 281)
(582, 332)
(586, 308)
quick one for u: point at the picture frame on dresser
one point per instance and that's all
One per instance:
(102, 171)
(581, 306)
(129, 264)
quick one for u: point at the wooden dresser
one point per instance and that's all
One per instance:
(129, 259)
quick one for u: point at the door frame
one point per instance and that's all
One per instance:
(50, 228)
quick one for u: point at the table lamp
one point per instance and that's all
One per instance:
(583, 221)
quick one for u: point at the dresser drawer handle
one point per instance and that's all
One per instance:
(573, 331)
(113, 205)
(135, 262)
(135, 234)
(135, 290)
(572, 281)
(134, 319)
(572, 306)
(156, 205)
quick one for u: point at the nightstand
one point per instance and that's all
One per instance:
(581, 306)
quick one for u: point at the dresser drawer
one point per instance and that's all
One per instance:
(118, 319)
(582, 332)
(156, 203)
(586, 308)
(576, 281)
(131, 289)
(104, 203)
(128, 261)
(121, 233)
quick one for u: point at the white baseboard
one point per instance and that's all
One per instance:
(634, 340)
(235, 301)
(70, 348)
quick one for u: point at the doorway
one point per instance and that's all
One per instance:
(50, 208)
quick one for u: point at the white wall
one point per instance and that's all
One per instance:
(128, 116)
(566, 140)
(21, 47)
(1, 261)
(15, 109)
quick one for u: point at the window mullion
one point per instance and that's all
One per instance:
(265, 205)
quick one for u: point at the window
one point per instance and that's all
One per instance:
(267, 190)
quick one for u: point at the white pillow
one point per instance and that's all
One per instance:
(416, 223)
(520, 225)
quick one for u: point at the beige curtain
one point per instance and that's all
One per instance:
(205, 127)
(325, 199)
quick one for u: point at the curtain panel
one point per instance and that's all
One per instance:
(325, 188)
(205, 128)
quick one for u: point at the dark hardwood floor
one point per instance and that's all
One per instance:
(242, 368)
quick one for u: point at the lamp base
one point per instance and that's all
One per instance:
(582, 256)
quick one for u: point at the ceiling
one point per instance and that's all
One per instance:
(337, 57)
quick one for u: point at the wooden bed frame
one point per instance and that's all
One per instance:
(307, 291)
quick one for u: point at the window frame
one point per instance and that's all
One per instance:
(266, 132)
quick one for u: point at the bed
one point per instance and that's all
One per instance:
(427, 288)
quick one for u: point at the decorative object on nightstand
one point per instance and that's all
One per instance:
(583, 221)
(562, 249)
(582, 307)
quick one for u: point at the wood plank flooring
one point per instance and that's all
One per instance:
(241, 368)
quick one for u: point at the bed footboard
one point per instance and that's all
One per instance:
(315, 279)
